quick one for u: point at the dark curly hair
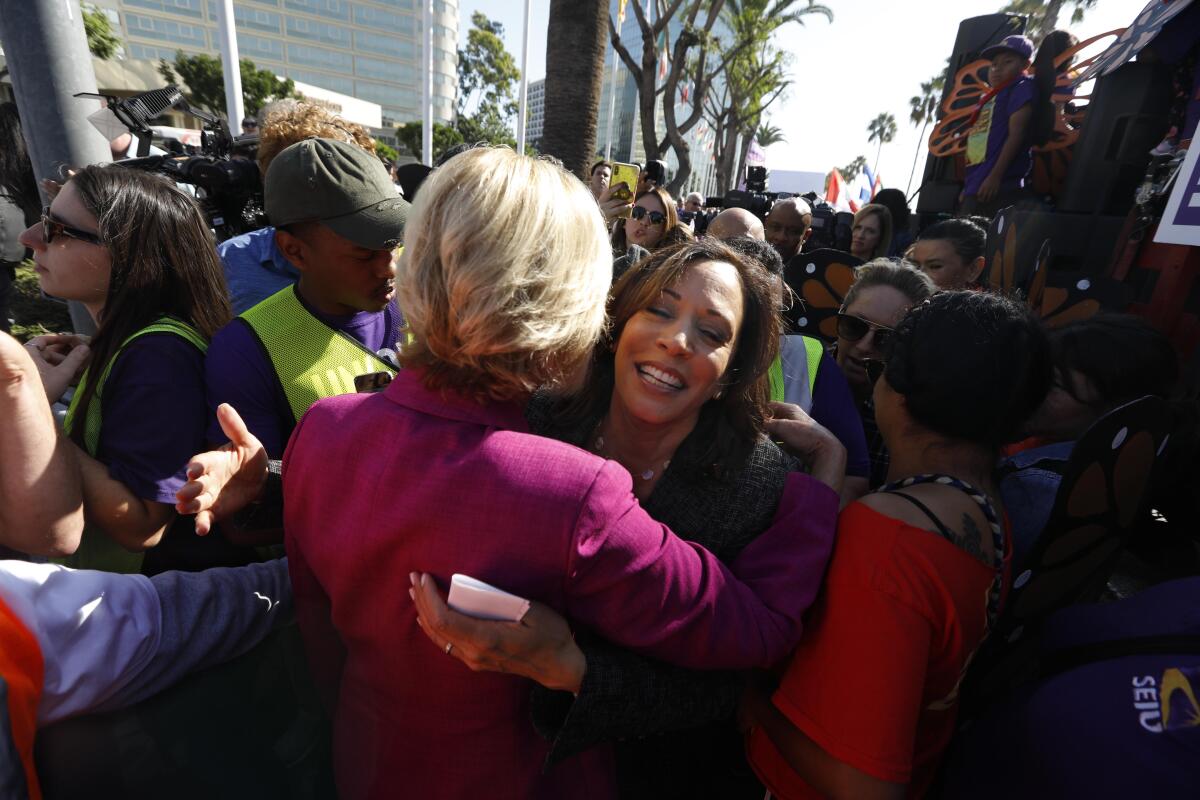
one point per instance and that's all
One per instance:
(733, 422)
(970, 365)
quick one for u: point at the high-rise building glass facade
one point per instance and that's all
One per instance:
(369, 49)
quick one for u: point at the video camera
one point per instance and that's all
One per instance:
(830, 228)
(754, 199)
(227, 178)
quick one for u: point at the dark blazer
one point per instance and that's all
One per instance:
(673, 727)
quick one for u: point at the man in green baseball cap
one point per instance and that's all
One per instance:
(338, 220)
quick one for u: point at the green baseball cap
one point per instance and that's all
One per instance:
(339, 185)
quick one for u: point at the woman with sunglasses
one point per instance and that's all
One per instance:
(919, 567)
(882, 293)
(137, 254)
(653, 222)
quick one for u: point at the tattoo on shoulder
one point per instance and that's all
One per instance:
(971, 538)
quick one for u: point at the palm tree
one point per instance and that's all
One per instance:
(575, 40)
(922, 110)
(851, 170)
(882, 129)
(768, 134)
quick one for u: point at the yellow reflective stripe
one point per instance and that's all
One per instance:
(311, 360)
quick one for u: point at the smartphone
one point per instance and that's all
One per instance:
(626, 174)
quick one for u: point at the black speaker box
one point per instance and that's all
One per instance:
(1126, 118)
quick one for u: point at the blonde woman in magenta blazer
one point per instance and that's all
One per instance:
(503, 283)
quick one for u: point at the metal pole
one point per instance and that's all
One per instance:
(427, 86)
(612, 107)
(48, 59)
(230, 66)
(524, 84)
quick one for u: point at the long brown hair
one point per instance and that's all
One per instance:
(733, 422)
(164, 262)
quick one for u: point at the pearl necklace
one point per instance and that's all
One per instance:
(646, 474)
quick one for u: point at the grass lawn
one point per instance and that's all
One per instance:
(32, 314)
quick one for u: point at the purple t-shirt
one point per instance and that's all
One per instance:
(239, 372)
(993, 124)
(153, 415)
(1120, 727)
(833, 406)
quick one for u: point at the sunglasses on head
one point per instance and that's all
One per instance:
(852, 328)
(656, 217)
(52, 228)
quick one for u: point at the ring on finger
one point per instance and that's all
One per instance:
(449, 647)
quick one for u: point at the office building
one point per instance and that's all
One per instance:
(368, 49)
(535, 113)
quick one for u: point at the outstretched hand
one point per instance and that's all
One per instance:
(539, 647)
(224, 481)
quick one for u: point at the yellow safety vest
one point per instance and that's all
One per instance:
(96, 550)
(311, 360)
(793, 374)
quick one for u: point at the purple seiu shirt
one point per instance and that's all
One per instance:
(833, 406)
(153, 415)
(1006, 102)
(239, 372)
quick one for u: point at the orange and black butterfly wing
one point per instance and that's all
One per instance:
(949, 135)
(1104, 486)
(1072, 296)
(818, 281)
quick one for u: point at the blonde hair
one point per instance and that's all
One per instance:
(504, 275)
(289, 123)
(885, 227)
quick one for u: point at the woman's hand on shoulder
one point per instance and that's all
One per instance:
(809, 441)
(539, 647)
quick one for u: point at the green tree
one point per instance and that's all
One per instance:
(444, 137)
(768, 134)
(695, 59)
(882, 129)
(206, 82)
(487, 81)
(851, 170)
(1042, 15)
(386, 152)
(923, 110)
(102, 42)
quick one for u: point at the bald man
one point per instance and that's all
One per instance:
(736, 222)
(787, 226)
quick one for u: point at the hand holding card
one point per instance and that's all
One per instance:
(478, 599)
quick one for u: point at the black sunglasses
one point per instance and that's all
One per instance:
(656, 217)
(852, 328)
(52, 228)
(874, 369)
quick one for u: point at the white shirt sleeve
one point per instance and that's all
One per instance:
(96, 630)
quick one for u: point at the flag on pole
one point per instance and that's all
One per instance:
(621, 12)
(860, 190)
(836, 192)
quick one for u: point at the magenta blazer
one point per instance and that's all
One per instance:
(378, 486)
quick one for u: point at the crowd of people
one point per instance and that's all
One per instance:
(754, 559)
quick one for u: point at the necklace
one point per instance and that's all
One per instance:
(646, 474)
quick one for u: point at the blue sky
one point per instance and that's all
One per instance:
(871, 58)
